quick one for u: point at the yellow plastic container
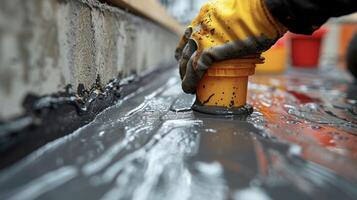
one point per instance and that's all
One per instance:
(275, 59)
(225, 83)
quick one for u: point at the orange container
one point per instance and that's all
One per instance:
(347, 32)
(225, 83)
(275, 59)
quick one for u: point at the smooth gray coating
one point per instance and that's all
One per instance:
(298, 144)
(218, 110)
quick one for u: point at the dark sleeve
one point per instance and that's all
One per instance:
(305, 16)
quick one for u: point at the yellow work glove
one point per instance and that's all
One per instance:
(225, 29)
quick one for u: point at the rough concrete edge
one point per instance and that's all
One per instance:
(103, 6)
(117, 14)
(152, 10)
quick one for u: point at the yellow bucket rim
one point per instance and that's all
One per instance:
(239, 62)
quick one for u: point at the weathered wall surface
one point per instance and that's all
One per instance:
(48, 44)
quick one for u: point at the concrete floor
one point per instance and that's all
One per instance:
(298, 144)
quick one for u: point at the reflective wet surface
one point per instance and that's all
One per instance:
(300, 143)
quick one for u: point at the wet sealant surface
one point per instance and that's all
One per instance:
(300, 143)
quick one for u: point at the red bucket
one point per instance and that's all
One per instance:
(306, 50)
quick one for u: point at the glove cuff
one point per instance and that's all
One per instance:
(280, 28)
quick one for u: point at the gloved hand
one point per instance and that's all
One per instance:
(225, 29)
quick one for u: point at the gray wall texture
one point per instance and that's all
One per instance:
(48, 44)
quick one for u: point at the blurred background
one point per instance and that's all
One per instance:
(184, 10)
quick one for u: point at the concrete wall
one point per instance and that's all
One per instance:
(47, 44)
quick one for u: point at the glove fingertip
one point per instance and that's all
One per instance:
(189, 89)
(182, 43)
(203, 63)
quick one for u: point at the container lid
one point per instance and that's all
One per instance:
(236, 62)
